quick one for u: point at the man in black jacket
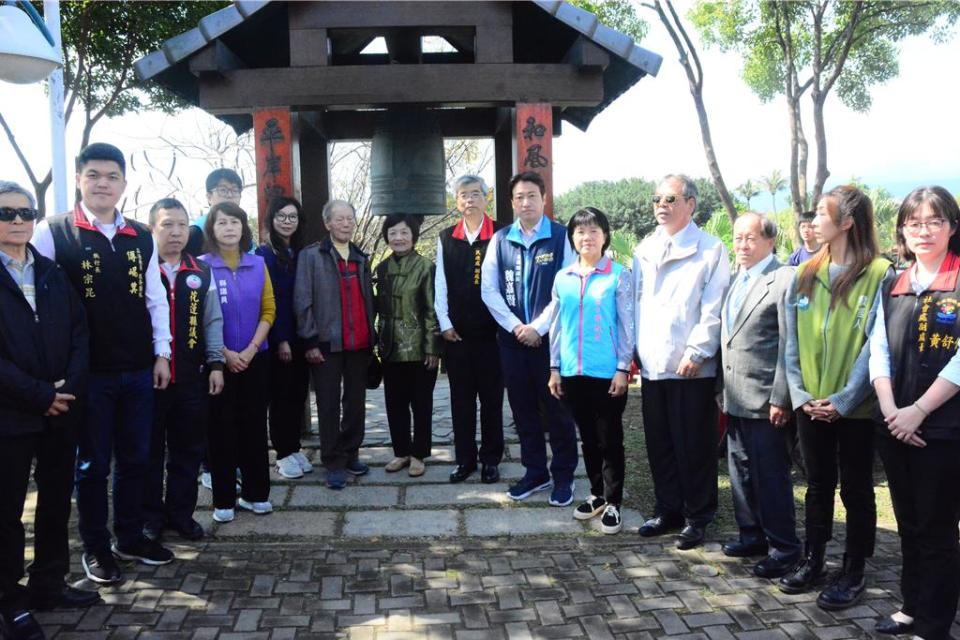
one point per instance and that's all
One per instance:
(44, 360)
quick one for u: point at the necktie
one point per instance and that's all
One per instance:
(737, 296)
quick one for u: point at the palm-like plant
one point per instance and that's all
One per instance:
(748, 191)
(773, 183)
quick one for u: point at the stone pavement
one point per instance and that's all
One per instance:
(393, 557)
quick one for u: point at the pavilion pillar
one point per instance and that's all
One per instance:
(534, 135)
(311, 163)
(272, 136)
(503, 148)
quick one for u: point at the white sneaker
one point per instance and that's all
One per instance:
(289, 467)
(305, 465)
(223, 515)
(206, 480)
(259, 508)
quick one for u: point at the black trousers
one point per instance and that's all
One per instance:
(177, 443)
(473, 371)
(288, 394)
(758, 455)
(55, 451)
(340, 438)
(680, 426)
(599, 417)
(237, 436)
(409, 386)
(850, 442)
(925, 489)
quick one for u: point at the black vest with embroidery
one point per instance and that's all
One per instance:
(111, 280)
(461, 269)
(187, 299)
(924, 333)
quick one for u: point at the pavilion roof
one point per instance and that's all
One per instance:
(253, 34)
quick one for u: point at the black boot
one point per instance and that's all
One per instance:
(808, 572)
(846, 588)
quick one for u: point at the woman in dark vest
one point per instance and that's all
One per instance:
(409, 342)
(915, 369)
(237, 434)
(288, 367)
(831, 308)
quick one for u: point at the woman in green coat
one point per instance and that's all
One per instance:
(409, 342)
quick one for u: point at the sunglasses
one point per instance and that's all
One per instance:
(9, 214)
(668, 199)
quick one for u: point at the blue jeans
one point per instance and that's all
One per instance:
(526, 372)
(116, 424)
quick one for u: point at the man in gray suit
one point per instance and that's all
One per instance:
(757, 401)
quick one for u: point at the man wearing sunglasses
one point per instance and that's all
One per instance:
(680, 275)
(112, 263)
(44, 361)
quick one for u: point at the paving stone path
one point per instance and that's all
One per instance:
(392, 558)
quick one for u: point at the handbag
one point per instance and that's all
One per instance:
(374, 372)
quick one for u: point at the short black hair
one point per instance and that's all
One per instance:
(165, 203)
(101, 151)
(394, 219)
(590, 217)
(215, 176)
(943, 205)
(806, 216)
(227, 209)
(528, 176)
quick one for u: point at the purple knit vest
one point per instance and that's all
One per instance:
(240, 293)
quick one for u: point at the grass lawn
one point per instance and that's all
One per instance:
(639, 485)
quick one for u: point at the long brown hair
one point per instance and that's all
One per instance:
(854, 204)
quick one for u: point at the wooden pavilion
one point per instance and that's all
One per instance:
(301, 74)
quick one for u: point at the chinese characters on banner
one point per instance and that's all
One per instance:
(272, 138)
(534, 134)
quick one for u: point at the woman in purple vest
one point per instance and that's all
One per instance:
(915, 368)
(237, 429)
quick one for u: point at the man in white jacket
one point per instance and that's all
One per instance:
(680, 277)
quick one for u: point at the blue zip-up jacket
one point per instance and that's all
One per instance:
(526, 274)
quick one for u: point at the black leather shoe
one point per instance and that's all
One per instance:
(152, 532)
(690, 537)
(66, 598)
(846, 588)
(189, 531)
(489, 474)
(739, 549)
(659, 525)
(462, 472)
(890, 627)
(807, 573)
(771, 567)
(19, 624)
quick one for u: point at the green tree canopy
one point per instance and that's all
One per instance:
(616, 14)
(628, 204)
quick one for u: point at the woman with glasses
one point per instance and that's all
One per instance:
(237, 437)
(289, 374)
(409, 343)
(915, 370)
(831, 308)
(591, 348)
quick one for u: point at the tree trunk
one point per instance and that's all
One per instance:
(804, 154)
(821, 137)
(795, 194)
(688, 52)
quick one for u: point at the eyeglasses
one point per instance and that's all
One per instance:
(286, 217)
(9, 214)
(933, 225)
(226, 192)
(668, 199)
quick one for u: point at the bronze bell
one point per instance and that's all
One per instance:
(407, 168)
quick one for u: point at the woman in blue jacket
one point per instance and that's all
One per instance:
(288, 367)
(591, 347)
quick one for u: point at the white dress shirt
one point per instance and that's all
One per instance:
(156, 295)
